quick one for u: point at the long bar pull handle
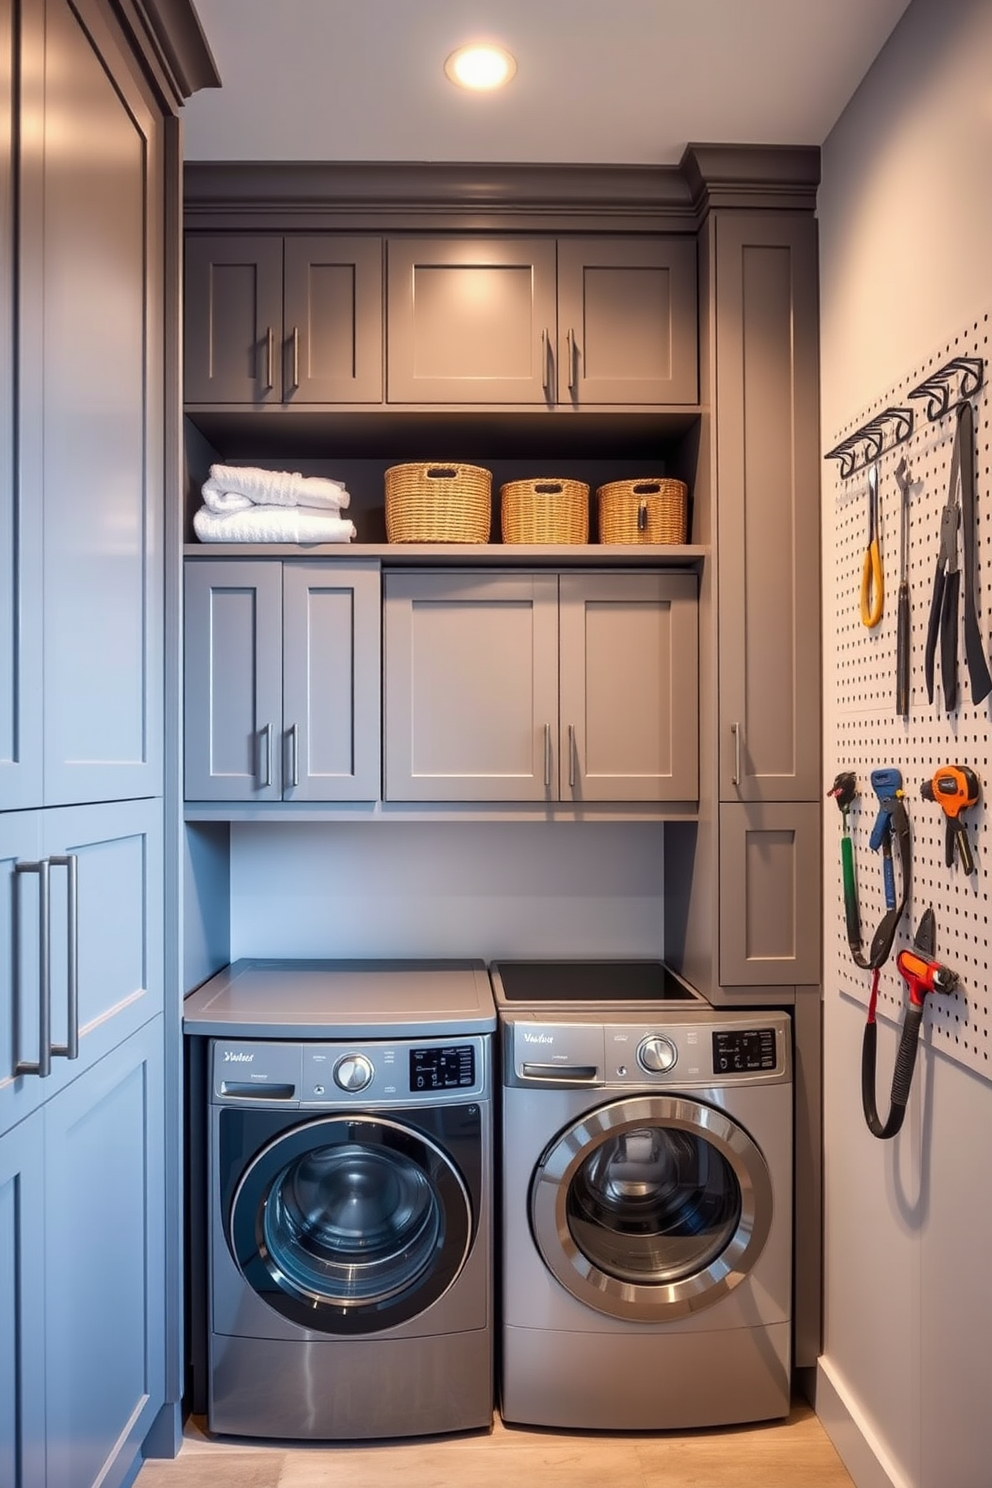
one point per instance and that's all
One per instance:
(43, 1067)
(547, 756)
(296, 356)
(270, 356)
(546, 363)
(70, 1049)
(571, 756)
(265, 756)
(735, 729)
(573, 363)
(294, 755)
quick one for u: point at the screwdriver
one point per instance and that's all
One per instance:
(954, 788)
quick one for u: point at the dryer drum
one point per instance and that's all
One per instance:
(651, 1207)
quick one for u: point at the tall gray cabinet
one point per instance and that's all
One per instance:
(88, 196)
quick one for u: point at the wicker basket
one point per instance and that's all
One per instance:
(550, 510)
(438, 503)
(653, 510)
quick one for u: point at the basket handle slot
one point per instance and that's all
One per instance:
(442, 472)
(646, 488)
(549, 488)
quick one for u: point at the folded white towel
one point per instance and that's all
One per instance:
(272, 524)
(236, 487)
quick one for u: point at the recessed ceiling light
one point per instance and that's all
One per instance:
(480, 66)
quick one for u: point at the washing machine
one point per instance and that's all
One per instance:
(646, 1206)
(349, 1223)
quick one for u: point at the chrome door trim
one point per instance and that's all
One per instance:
(656, 1302)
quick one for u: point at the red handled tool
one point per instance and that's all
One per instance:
(923, 974)
(954, 788)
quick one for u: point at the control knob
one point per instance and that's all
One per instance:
(353, 1072)
(656, 1054)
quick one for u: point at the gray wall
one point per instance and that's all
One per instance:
(447, 888)
(906, 262)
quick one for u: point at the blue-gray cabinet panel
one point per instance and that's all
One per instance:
(114, 852)
(104, 1244)
(233, 681)
(89, 442)
(22, 1284)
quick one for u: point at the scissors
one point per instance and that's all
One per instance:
(872, 588)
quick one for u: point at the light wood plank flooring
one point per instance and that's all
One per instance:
(794, 1453)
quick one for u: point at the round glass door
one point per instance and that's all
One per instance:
(651, 1207)
(350, 1226)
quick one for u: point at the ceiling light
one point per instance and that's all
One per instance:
(480, 66)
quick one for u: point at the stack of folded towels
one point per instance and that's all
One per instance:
(244, 504)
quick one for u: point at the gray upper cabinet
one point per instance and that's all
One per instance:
(540, 687)
(283, 320)
(627, 328)
(282, 681)
(768, 514)
(470, 320)
(81, 494)
(527, 320)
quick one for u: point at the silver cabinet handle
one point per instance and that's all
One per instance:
(270, 356)
(573, 363)
(547, 756)
(546, 359)
(735, 729)
(296, 357)
(571, 756)
(264, 773)
(70, 1049)
(294, 755)
(43, 1067)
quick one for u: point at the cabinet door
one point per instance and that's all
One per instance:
(768, 508)
(629, 687)
(331, 682)
(104, 1238)
(20, 511)
(233, 649)
(471, 687)
(90, 440)
(22, 1310)
(332, 318)
(470, 320)
(769, 894)
(234, 337)
(627, 323)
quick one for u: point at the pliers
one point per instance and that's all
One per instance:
(944, 606)
(872, 589)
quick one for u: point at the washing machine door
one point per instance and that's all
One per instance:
(349, 1225)
(651, 1207)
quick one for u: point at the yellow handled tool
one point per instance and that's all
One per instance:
(872, 588)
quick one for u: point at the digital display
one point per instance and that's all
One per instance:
(449, 1068)
(739, 1051)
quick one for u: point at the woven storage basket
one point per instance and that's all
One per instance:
(438, 503)
(653, 510)
(551, 510)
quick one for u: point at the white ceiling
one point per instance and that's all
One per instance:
(598, 81)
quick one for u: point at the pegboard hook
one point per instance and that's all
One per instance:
(966, 374)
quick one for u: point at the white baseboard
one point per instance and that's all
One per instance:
(857, 1445)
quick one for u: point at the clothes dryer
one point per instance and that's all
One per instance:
(350, 1201)
(646, 1210)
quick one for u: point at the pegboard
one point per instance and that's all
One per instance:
(865, 732)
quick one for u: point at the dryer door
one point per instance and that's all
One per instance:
(651, 1207)
(350, 1225)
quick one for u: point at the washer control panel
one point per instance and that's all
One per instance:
(340, 1075)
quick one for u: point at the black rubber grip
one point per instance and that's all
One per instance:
(949, 639)
(902, 1077)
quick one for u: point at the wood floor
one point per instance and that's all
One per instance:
(794, 1453)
